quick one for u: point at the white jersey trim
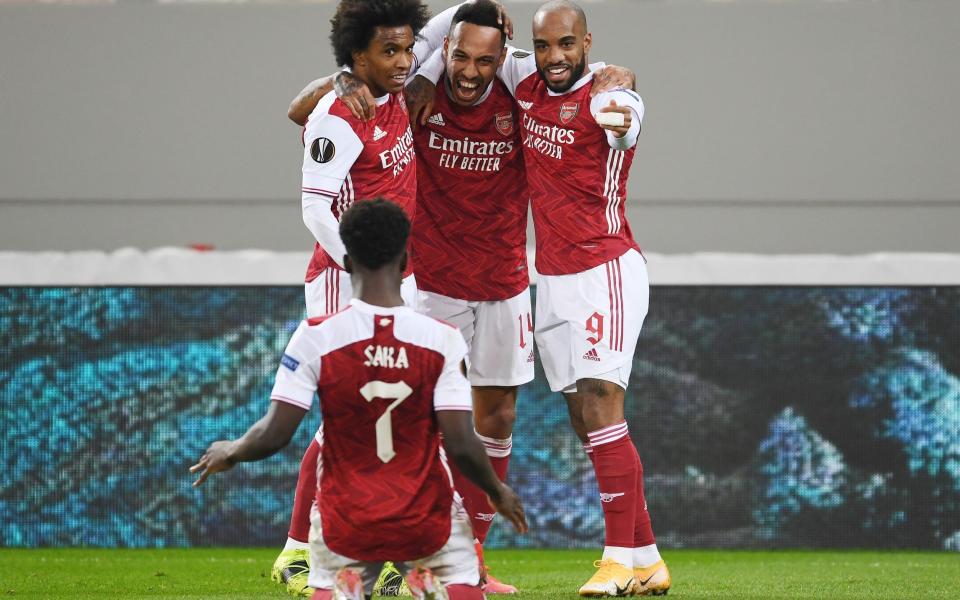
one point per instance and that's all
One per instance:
(611, 189)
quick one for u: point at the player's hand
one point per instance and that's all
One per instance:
(509, 506)
(504, 19)
(612, 77)
(618, 130)
(419, 94)
(355, 95)
(214, 460)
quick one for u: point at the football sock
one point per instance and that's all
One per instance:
(460, 591)
(588, 449)
(293, 544)
(646, 556)
(614, 460)
(322, 595)
(474, 499)
(624, 556)
(305, 495)
(642, 528)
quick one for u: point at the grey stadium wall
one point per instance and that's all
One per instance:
(777, 127)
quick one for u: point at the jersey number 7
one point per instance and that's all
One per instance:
(398, 392)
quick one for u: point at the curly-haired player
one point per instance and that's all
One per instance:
(344, 159)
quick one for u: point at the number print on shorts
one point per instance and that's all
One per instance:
(594, 325)
(523, 342)
(398, 392)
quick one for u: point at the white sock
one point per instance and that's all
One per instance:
(645, 556)
(624, 556)
(293, 544)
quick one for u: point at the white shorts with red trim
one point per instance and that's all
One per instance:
(455, 563)
(499, 335)
(331, 291)
(587, 324)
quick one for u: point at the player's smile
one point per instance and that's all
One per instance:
(472, 55)
(468, 90)
(558, 74)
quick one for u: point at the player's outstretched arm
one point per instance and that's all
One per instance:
(265, 438)
(465, 450)
(352, 92)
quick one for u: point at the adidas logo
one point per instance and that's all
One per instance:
(592, 355)
(530, 358)
(525, 105)
(610, 497)
(437, 120)
(378, 134)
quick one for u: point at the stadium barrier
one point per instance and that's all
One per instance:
(777, 401)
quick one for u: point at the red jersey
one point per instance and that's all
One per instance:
(346, 159)
(380, 374)
(469, 237)
(576, 171)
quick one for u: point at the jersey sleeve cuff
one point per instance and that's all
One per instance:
(292, 395)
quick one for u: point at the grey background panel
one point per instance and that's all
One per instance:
(771, 127)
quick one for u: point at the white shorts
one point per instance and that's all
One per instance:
(455, 563)
(499, 335)
(331, 291)
(588, 323)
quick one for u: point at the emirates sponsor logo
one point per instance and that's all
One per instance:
(592, 355)
(604, 497)
(400, 155)
(525, 105)
(437, 120)
(504, 122)
(568, 111)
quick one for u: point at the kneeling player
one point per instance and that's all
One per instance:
(390, 381)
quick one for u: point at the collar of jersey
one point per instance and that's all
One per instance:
(374, 309)
(383, 99)
(580, 82)
(486, 94)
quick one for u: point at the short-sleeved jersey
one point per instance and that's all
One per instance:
(346, 159)
(577, 181)
(380, 374)
(469, 236)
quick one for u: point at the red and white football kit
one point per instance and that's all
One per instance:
(344, 160)
(469, 235)
(385, 492)
(592, 295)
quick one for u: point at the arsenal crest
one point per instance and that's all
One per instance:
(504, 123)
(568, 111)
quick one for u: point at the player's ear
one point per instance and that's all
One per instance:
(359, 59)
(347, 264)
(587, 43)
(446, 46)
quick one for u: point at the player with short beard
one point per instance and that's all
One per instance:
(469, 234)
(384, 491)
(593, 291)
